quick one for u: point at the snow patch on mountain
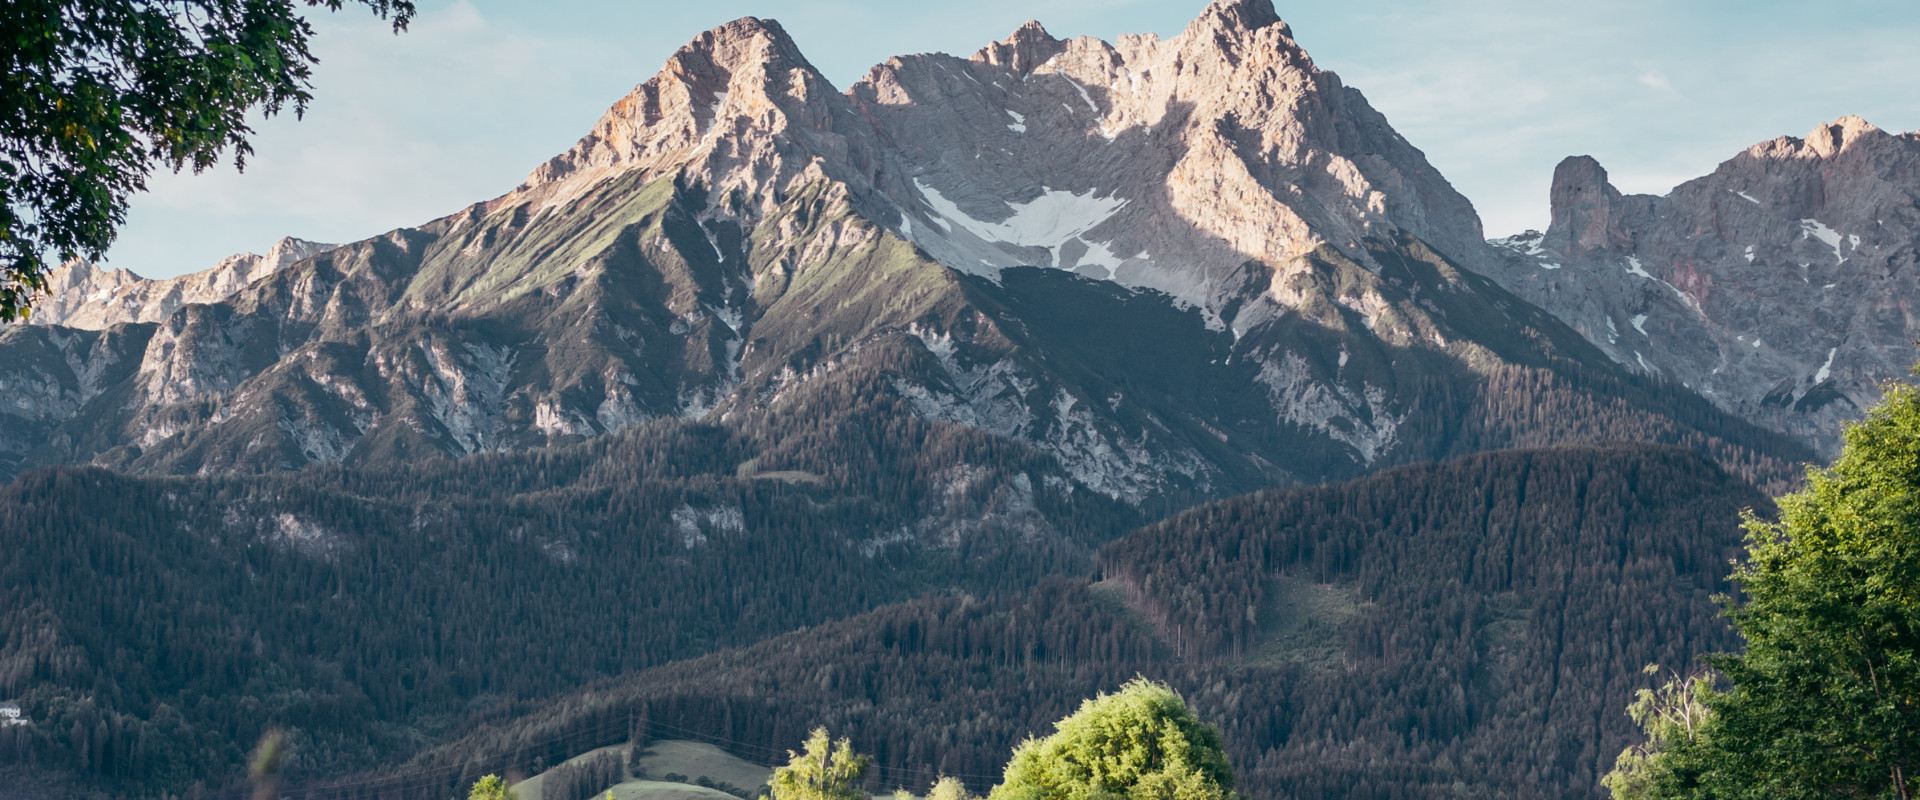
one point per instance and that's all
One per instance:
(1048, 221)
(1813, 228)
(1826, 369)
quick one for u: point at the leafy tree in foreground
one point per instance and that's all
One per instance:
(491, 787)
(1673, 717)
(1141, 743)
(948, 789)
(1825, 702)
(94, 93)
(820, 773)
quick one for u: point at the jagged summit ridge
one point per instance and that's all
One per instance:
(1028, 47)
(1240, 15)
(81, 295)
(1107, 159)
(1112, 159)
(1777, 286)
(747, 74)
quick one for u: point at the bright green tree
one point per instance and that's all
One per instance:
(1674, 717)
(95, 93)
(1825, 701)
(491, 788)
(825, 771)
(948, 789)
(1140, 743)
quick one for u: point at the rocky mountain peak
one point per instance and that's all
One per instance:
(1776, 285)
(1584, 220)
(1111, 160)
(748, 48)
(1025, 49)
(1240, 36)
(1237, 15)
(748, 69)
(81, 295)
(1267, 282)
(1834, 137)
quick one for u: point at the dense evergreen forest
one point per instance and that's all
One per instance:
(1469, 629)
(154, 628)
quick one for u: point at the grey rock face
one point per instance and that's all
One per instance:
(1780, 287)
(81, 295)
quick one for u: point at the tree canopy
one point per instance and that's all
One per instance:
(1825, 701)
(1141, 742)
(95, 93)
(491, 787)
(824, 771)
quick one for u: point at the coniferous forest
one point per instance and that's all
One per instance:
(1474, 626)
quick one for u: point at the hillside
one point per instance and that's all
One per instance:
(154, 628)
(1464, 629)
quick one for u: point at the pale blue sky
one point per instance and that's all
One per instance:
(406, 129)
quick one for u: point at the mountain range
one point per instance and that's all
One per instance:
(1778, 287)
(949, 334)
(735, 228)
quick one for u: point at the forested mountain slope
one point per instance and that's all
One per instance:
(155, 628)
(1464, 629)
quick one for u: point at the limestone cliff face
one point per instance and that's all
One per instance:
(1164, 165)
(739, 105)
(1780, 286)
(81, 295)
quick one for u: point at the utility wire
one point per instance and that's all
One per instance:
(755, 754)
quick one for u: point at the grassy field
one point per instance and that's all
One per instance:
(1303, 622)
(688, 762)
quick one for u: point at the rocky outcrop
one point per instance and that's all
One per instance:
(81, 295)
(1780, 286)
